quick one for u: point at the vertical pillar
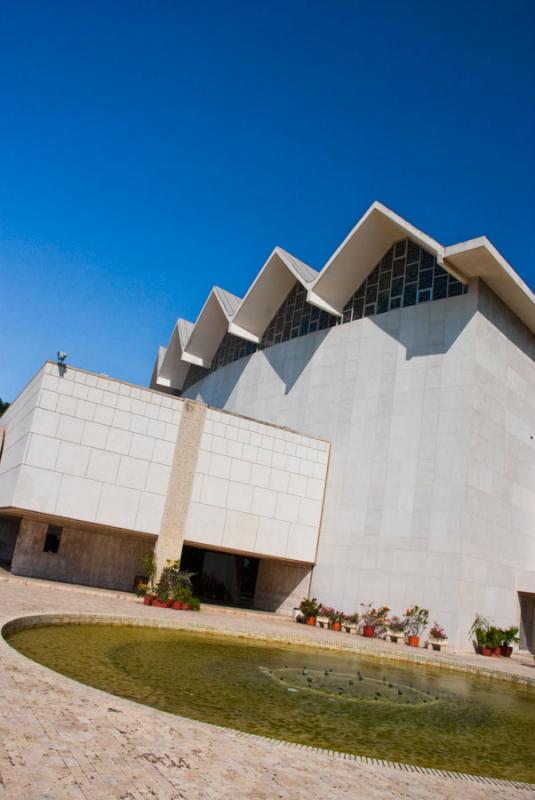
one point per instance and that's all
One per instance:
(171, 536)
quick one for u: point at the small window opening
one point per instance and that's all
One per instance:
(52, 539)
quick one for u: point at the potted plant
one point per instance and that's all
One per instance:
(336, 618)
(494, 640)
(309, 608)
(479, 630)
(350, 623)
(323, 616)
(437, 639)
(161, 598)
(373, 620)
(509, 636)
(416, 619)
(142, 590)
(395, 629)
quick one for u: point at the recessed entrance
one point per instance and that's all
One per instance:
(9, 530)
(224, 578)
(527, 621)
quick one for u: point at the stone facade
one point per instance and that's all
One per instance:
(90, 556)
(105, 460)
(409, 400)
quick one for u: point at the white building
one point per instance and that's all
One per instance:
(362, 433)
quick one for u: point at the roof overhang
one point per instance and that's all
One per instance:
(268, 292)
(478, 258)
(210, 327)
(170, 370)
(331, 288)
(358, 254)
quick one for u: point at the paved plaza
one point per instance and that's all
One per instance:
(60, 739)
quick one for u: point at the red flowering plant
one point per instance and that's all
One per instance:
(437, 632)
(416, 619)
(374, 616)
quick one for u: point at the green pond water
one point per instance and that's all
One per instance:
(400, 712)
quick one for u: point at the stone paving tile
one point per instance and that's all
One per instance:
(62, 740)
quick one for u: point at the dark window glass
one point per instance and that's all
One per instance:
(409, 295)
(428, 260)
(411, 273)
(382, 302)
(52, 539)
(398, 270)
(397, 287)
(454, 288)
(371, 294)
(395, 302)
(424, 296)
(369, 310)
(440, 289)
(358, 309)
(426, 279)
(384, 280)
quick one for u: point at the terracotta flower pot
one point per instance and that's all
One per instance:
(486, 651)
(507, 651)
(369, 631)
(147, 600)
(311, 620)
(336, 626)
(187, 607)
(177, 605)
(159, 603)
(413, 641)
(497, 651)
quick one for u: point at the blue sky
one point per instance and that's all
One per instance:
(149, 150)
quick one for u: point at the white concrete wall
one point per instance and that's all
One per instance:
(499, 514)
(96, 450)
(89, 448)
(258, 489)
(397, 396)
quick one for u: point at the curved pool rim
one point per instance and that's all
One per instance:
(49, 619)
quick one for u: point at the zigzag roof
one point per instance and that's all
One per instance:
(329, 289)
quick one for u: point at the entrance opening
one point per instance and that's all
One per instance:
(527, 621)
(223, 578)
(9, 530)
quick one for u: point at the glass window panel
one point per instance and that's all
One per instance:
(411, 273)
(382, 302)
(384, 280)
(455, 288)
(426, 279)
(398, 270)
(409, 295)
(424, 296)
(440, 288)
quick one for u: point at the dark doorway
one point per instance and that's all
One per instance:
(223, 578)
(527, 622)
(9, 530)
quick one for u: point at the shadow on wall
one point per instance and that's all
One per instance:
(434, 338)
(427, 338)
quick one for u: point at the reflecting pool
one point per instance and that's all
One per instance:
(351, 703)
